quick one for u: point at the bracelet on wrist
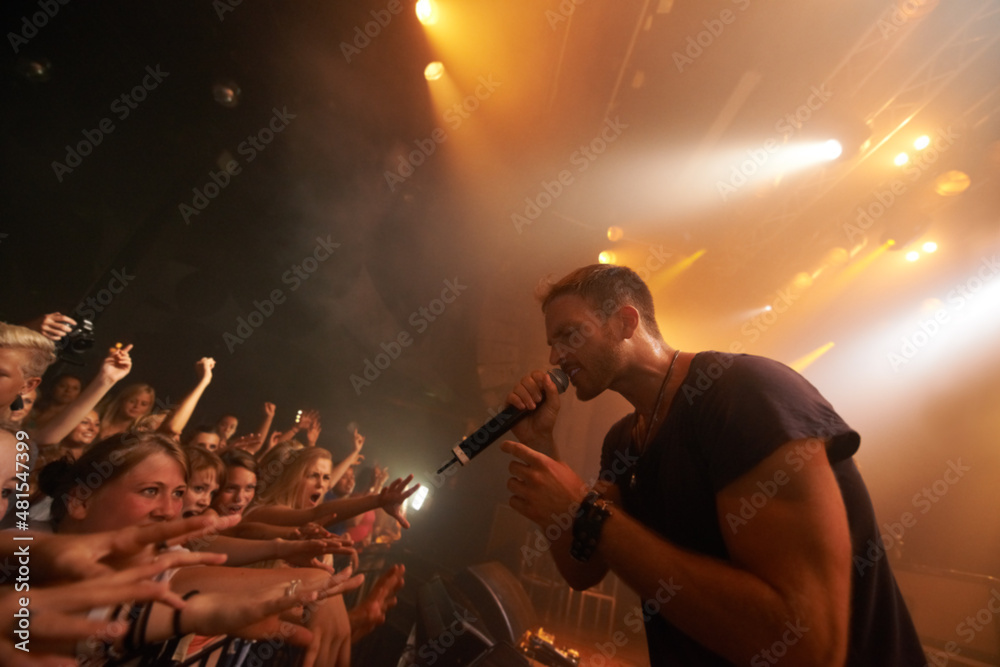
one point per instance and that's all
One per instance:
(593, 512)
(177, 613)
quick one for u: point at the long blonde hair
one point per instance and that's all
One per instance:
(285, 487)
(114, 412)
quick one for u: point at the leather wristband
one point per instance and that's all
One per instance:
(587, 525)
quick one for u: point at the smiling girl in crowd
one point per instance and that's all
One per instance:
(140, 480)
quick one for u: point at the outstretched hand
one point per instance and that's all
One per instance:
(75, 557)
(391, 499)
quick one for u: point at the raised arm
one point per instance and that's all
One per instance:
(341, 467)
(178, 418)
(264, 429)
(116, 366)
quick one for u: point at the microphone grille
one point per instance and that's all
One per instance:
(560, 378)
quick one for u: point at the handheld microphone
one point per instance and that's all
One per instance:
(490, 432)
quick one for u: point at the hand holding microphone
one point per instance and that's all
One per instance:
(490, 432)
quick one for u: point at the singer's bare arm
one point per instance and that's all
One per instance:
(789, 568)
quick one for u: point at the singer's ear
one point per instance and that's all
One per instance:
(629, 319)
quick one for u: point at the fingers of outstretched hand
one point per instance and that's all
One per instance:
(171, 533)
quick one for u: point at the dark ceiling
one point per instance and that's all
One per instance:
(672, 98)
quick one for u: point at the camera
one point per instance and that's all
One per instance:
(79, 340)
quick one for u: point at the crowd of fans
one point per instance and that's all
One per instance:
(133, 537)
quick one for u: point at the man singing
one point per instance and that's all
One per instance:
(729, 496)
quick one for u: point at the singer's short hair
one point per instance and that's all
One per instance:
(605, 287)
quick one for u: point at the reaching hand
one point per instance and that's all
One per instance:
(249, 442)
(312, 435)
(307, 418)
(302, 553)
(54, 610)
(204, 367)
(359, 441)
(314, 530)
(117, 364)
(370, 613)
(253, 613)
(75, 557)
(391, 499)
(269, 409)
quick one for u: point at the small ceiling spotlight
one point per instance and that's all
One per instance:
(607, 257)
(36, 69)
(427, 12)
(930, 246)
(922, 142)
(615, 233)
(227, 94)
(912, 256)
(901, 159)
(831, 150)
(952, 183)
(434, 71)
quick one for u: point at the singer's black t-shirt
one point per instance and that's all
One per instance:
(730, 413)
